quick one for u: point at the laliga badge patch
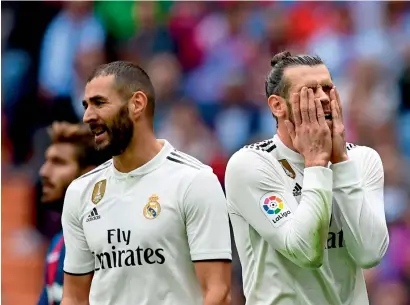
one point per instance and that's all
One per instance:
(99, 191)
(152, 209)
(275, 209)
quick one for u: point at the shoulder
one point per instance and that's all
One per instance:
(54, 241)
(257, 154)
(188, 173)
(180, 162)
(98, 170)
(363, 154)
(56, 238)
(265, 146)
(93, 176)
(77, 189)
(254, 161)
(367, 161)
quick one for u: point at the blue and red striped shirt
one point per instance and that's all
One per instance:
(54, 274)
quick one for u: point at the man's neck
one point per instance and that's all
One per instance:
(142, 148)
(55, 206)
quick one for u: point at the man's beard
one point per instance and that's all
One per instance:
(120, 132)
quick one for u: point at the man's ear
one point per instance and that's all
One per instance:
(277, 105)
(138, 103)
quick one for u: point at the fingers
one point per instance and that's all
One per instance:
(339, 103)
(291, 129)
(312, 107)
(333, 94)
(319, 112)
(335, 111)
(304, 104)
(335, 105)
(296, 109)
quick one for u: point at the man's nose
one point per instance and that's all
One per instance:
(89, 115)
(322, 96)
(43, 171)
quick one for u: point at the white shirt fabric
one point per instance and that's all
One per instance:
(304, 234)
(140, 232)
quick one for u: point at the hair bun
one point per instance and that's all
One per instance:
(279, 57)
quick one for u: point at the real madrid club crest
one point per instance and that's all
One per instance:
(287, 168)
(152, 209)
(98, 191)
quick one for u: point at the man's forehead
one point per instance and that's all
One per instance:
(99, 86)
(308, 75)
(64, 151)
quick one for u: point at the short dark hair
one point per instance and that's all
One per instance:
(275, 84)
(81, 137)
(129, 78)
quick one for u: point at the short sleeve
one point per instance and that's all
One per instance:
(207, 221)
(78, 258)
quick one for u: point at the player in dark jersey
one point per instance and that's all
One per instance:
(70, 155)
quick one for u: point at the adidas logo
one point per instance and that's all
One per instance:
(297, 190)
(93, 215)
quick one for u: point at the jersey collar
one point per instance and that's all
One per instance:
(151, 165)
(287, 152)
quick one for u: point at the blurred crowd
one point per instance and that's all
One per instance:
(208, 61)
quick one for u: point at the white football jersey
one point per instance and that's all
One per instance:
(141, 232)
(304, 234)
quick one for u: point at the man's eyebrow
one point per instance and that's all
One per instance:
(327, 83)
(95, 98)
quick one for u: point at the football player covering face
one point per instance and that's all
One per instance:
(305, 200)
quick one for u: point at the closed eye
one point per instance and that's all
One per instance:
(327, 88)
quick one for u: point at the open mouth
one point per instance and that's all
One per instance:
(328, 116)
(97, 131)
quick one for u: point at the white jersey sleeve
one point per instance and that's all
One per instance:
(358, 189)
(257, 190)
(78, 258)
(206, 217)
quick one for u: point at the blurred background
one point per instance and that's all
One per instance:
(207, 61)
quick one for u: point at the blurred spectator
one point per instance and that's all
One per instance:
(166, 76)
(184, 127)
(236, 121)
(372, 102)
(184, 18)
(73, 26)
(151, 37)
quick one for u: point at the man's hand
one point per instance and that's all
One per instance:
(310, 134)
(339, 153)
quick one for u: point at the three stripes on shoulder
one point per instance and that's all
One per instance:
(266, 146)
(98, 169)
(350, 146)
(182, 158)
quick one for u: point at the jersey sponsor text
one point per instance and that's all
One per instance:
(120, 257)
